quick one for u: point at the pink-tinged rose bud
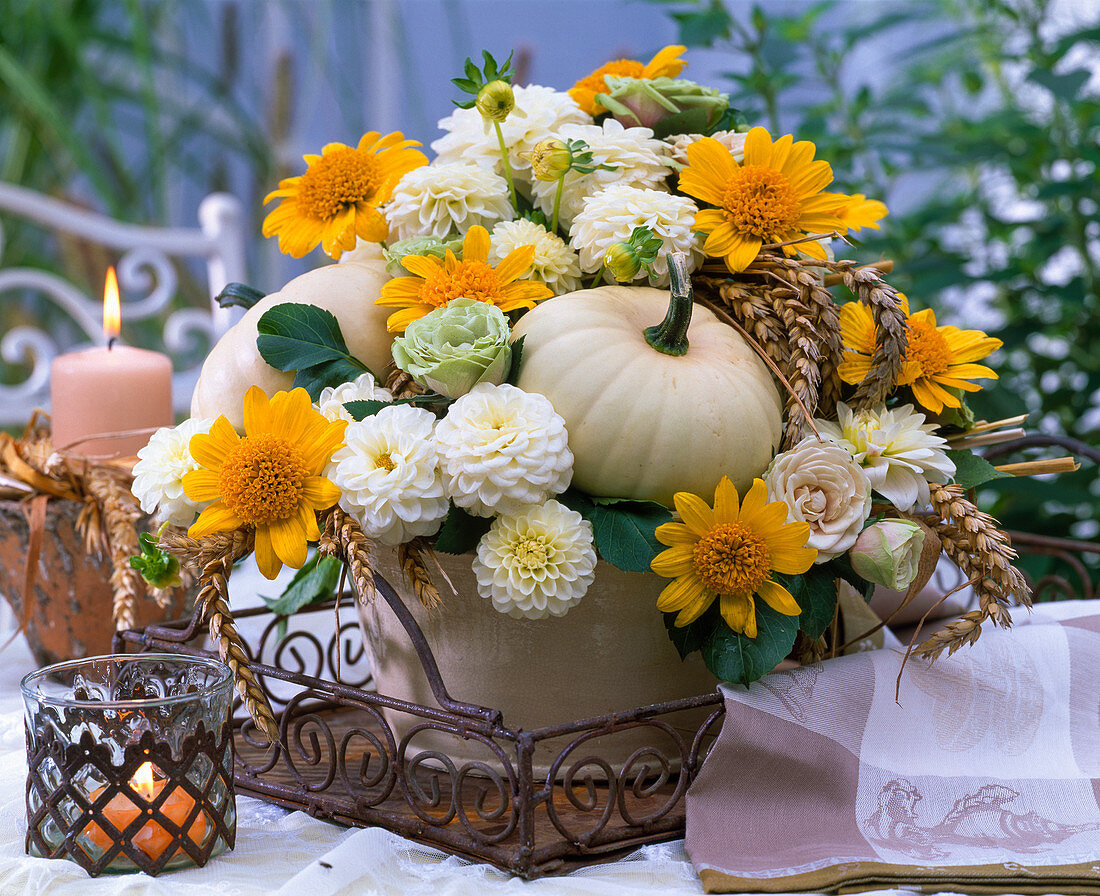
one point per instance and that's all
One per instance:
(888, 553)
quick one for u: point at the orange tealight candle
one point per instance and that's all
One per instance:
(109, 389)
(152, 839)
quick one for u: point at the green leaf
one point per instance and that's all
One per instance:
(689, 638)
(843, 570)
(704, 28)
(360, 410)
(314, 582)
(320, 376)
(623, 531)
(1065, 87)
(972, 470)
(461, 531)
(815, 592)
(294, 336)
(239, 294)
(739, 659)
(517, 357)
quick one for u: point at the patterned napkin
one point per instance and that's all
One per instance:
(985, 779)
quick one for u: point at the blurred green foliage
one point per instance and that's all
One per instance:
(978, 122)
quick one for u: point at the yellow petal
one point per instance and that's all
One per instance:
(211, 449)
(515, 264)
(257, 412)
(778, 598)
(320, 492)
(202, 485)
(397, 321)
(744, 253)
(758, 147)
(666, 63)
(739, 612)
(422, 266)
(680, 593)
(308, 518)
(215, 518)
(753, 502)
(267, 560)
(673, 534)
(475, 247)
(676, 561)
(726, 502)
(694, 512)
(288, 540)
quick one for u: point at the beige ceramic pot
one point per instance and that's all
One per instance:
(608, 653)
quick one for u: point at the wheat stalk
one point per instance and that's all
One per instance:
(411, 557)
(891, 334)
(119, 512)
(342, 537)
(402, 385)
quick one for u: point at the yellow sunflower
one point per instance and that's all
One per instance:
(773, 196)
(729, 552)
(436, 281)
(270, 479)
(337, 198)
(666, 64)
(937, 358)
(857, 211)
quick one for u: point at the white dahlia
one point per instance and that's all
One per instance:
(639, 161)
(612, 214)
(362, 388)
(388, 475)
(438, 199)
(899, 452)
(540, 112)
(555, 264)
(536, 563)
(159, 472)
(502, 449)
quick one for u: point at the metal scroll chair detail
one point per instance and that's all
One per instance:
(145, 269)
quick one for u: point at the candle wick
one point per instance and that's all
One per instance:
(111, 343)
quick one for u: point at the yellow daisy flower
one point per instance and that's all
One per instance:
(436, 281)
(857, 211)
(270, 479)
(936, 357)
(729, 552)
(773, 196)
(337, 198)
(666, 64)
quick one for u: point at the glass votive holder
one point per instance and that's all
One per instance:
(130, 762)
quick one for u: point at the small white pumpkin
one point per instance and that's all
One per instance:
(644, 424)
(347, 289)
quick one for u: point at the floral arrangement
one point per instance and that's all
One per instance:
(617, 332)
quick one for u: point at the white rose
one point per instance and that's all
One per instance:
(822, 484)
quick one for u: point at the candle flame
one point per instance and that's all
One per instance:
(112, 311)
(142, 781)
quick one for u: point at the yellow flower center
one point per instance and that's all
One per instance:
(471, 279)
(531, 554)
(262, 479)
(731, 559)
(384, 461)
(928, 348)
(337, 180)
(760, 200)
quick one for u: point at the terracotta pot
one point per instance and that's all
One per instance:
(73, 601)
(608, 653)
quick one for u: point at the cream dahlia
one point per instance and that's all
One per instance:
(159, 472)
(612, 214)
(439, 199)
(542, 111)
(536, 563)
(555, 264)
(637, 158)
(898, 451)
(362, 388)
(502, 449)
(388, 475)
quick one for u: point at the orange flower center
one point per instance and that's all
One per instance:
(760, 200)
(928, 347)
(337, 180)
(731, 559)
(262, 479)
(469, 279)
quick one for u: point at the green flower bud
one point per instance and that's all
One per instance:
(454, 348)
(159, 568)
(621, 259)
(888, 553)
(418, 245)
(550, 159)
(667, 105)
(495, 101)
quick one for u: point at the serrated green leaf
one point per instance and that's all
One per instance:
(294, 337)
(972, 470)
(321, 376)
(623, 531)
(461, 531)
(360, 410)
(314, 582)
(739, 659)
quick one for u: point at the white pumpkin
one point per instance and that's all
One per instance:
(644, 424)
(347, 289)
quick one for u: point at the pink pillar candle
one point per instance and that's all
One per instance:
(105, 390)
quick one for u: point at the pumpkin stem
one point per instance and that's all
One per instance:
(670, 336)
